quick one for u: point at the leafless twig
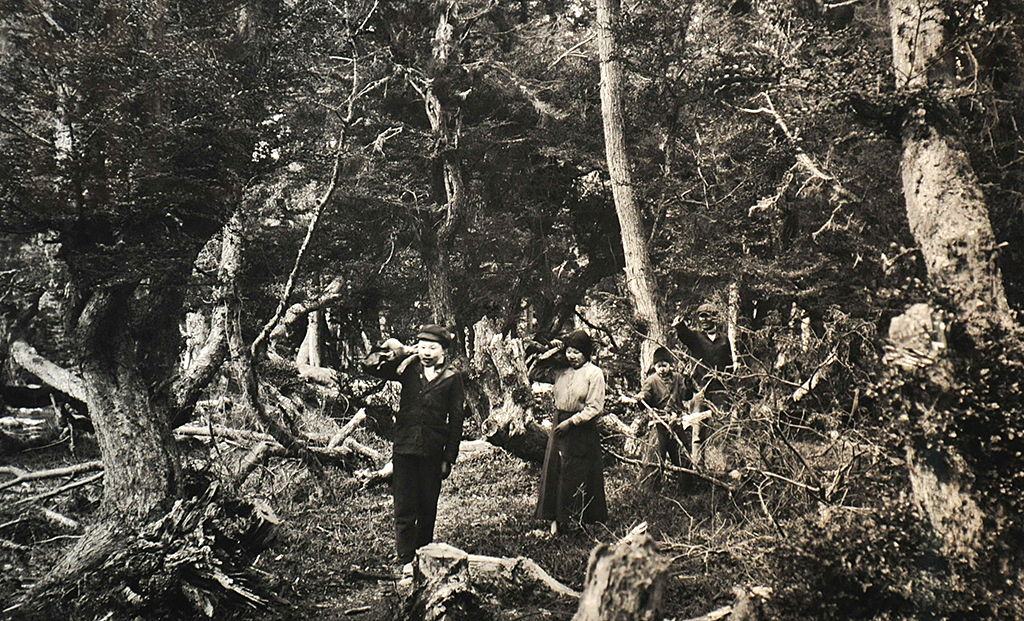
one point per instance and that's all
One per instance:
(61, 489)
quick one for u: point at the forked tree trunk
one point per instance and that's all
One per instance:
(142, 473)
(639, 274)
(139, 454)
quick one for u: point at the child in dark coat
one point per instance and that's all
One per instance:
(664, 395)
(428, 429)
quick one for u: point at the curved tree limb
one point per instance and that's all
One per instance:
(331, 293)
(68, 382)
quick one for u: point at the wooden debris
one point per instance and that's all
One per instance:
(352, 446)
(442, 588)
(448, 583)
(372, 478)
(624, 581)
(747, 606)
(473, 449)
(63, 380)
(358, 610)
(27, 427)
(62, 489)
(60, 519)
(256, 456)
(347, 430)
(521, 571)
(22, 476)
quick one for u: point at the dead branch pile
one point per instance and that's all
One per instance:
(198, 556)
(338, 448)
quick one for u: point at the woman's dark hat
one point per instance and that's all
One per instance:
(435, 333)
(580, 341)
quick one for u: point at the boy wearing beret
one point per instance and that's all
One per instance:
(428, 429)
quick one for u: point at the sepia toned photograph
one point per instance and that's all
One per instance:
(511, 310)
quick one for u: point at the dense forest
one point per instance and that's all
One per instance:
(212, 213)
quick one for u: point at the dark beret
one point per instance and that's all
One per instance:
(436, 333)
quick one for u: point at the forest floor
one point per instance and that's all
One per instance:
(334, 555)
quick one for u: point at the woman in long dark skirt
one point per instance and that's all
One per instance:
(572, 479)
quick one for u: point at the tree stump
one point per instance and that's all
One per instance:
(442, 589)
(451, 584)
(625, 582)
(499, 366)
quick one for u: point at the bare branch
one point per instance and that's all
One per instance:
(22, 476)
(61, 489)
(675, 468)
(290, 285)
(569, 51)
(21, 129)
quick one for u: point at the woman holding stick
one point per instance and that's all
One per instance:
(572, 479)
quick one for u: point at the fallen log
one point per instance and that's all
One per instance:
(528, 442)
(207, 431)
(28, 427)
(521, 571)
(372, 478)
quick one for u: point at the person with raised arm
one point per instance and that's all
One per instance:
(428, 429)
(572, 478)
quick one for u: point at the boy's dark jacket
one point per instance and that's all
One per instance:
(430, 414)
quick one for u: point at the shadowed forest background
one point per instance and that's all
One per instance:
(210, 213)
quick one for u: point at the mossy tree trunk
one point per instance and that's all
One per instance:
(949, 219)
(945, 204)
(438, 231)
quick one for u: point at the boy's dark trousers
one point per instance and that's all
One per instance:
(416, 484)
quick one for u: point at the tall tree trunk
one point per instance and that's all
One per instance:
(142, 472)
(945, 204)
(639, 274)
(438, 236)
(139, 454)
(949, 219)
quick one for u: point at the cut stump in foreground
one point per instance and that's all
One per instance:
(625, 580)
(450, 584)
